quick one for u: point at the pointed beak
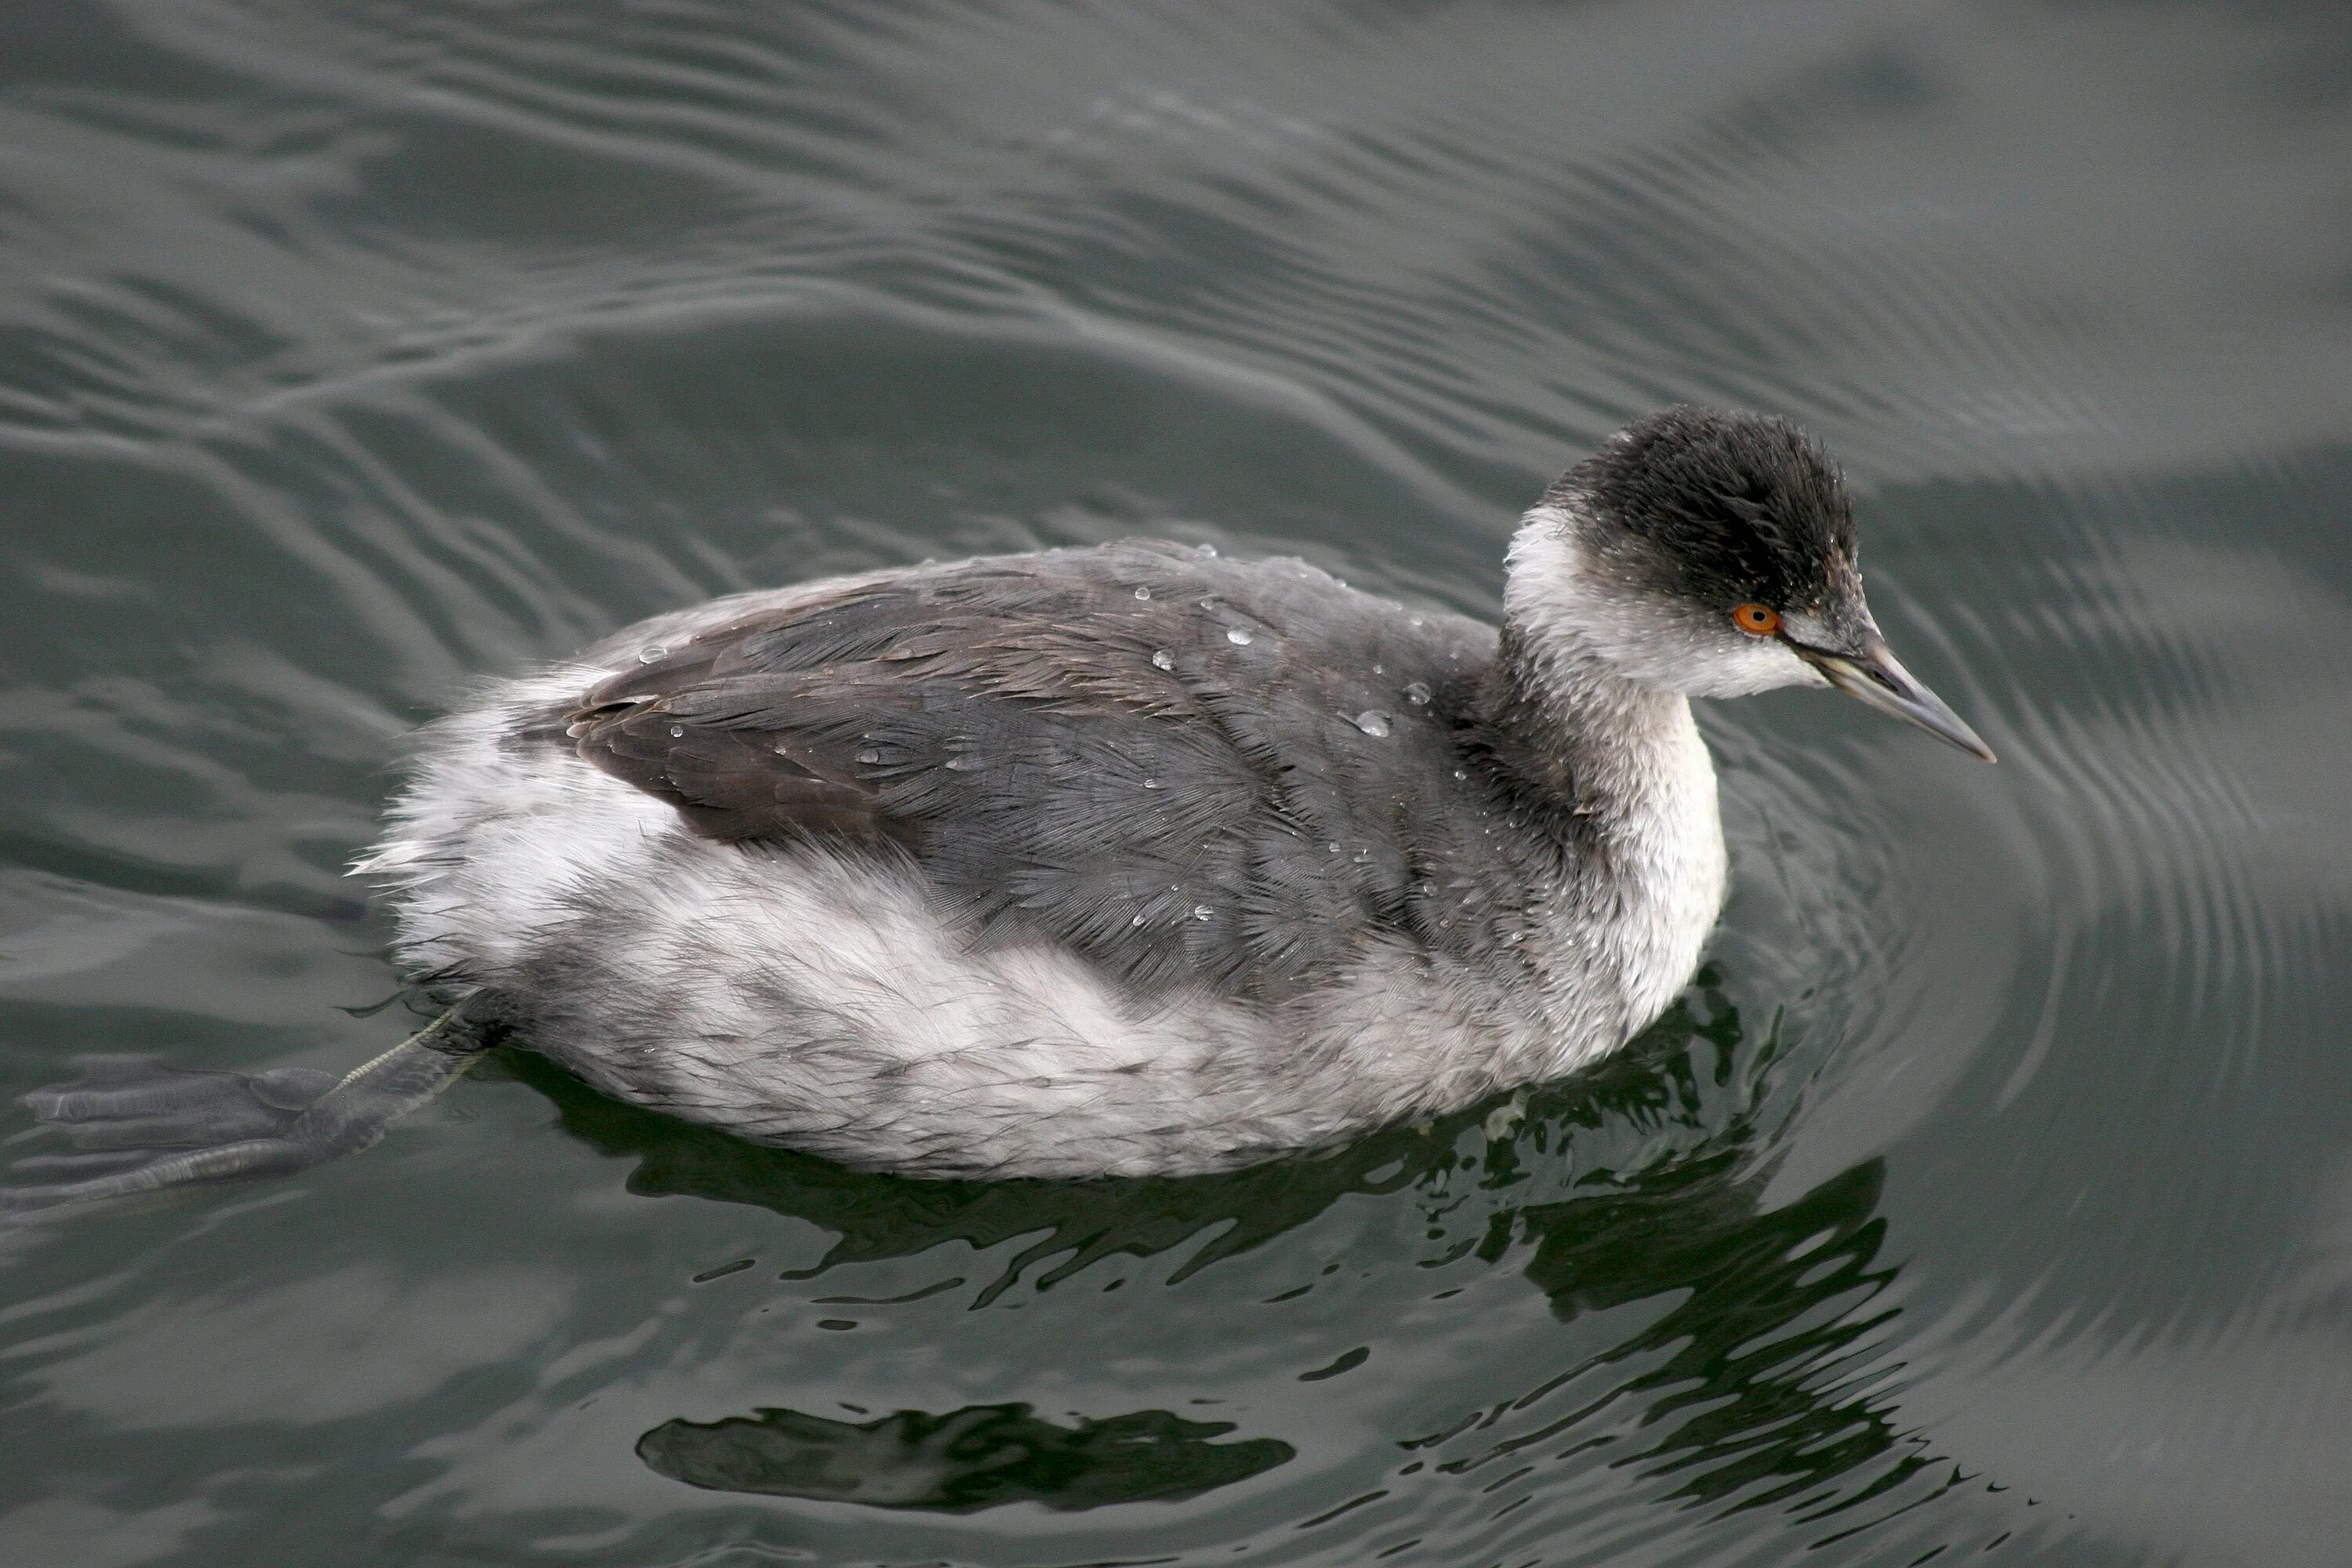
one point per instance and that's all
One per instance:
(1872, 674)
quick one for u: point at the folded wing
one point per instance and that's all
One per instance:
(1131, 751)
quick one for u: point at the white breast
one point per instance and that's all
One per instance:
(1679, 867)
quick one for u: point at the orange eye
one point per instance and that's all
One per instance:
(1756, 620)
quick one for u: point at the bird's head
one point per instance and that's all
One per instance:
(1712, 553)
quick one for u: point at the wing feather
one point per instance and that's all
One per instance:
(1171, 785)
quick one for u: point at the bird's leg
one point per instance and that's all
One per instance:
(141, 1126)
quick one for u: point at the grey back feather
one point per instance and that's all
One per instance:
(1192, 771)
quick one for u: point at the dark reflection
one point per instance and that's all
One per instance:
(1748, 1400)
(1667, 1079)
(1642, 1180)
(1755, 1386)
(980, 1457)
(882, 1217)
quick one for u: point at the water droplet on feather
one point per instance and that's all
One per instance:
(1372, 723)
(1201, 911)
(647, 654)
(870, 754)
(1238, 637)
(677, 731)
(1417, 693)
(1162, 659)
(1143, 593)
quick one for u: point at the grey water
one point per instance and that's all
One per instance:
(1988, 1196)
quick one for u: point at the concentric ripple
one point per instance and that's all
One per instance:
(1988, 1194)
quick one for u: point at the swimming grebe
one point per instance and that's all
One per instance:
(1092, 861)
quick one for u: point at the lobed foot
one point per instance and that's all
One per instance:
(139, 1126)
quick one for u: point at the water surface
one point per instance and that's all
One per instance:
(1990, 1195)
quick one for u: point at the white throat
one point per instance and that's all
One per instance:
(1604, 683)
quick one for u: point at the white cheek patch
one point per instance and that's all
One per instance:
(1765, 664)
(1566, 600)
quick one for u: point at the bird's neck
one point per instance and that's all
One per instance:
(1623, 764)
(1560, 715)
(1608, 749)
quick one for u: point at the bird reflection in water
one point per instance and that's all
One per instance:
(1746, 1390)
(976, 1457)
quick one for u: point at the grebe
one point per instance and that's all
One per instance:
(1118, 861)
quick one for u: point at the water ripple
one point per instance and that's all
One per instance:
(351, 351)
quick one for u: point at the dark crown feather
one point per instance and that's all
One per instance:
(1728, 506)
